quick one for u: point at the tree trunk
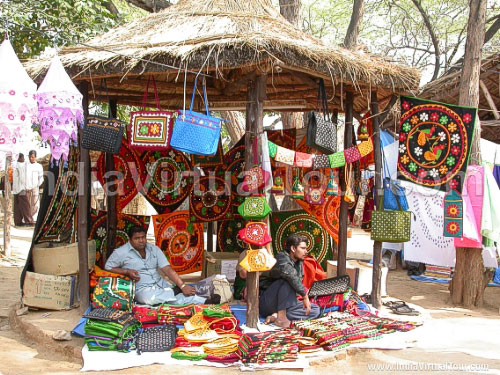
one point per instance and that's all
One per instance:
(467, 286)
(290, 9)
(351, 37)
(151, 6)
(235, 125)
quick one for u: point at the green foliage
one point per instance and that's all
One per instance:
(61, 20)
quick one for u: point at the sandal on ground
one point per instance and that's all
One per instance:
(404, 309)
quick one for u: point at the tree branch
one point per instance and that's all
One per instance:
(435, 41)
(492, 30)
(151, 6)
(110, 6)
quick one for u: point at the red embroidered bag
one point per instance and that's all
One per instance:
(255, 233)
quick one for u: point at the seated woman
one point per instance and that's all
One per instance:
(140, 261)
(278, 302)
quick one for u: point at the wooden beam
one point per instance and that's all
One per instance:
(83, 211)
(343, 218)
(112, 217)
(242, 82)
(377, 245)
(7, 213)
(306, 79)
(254, 126)
(489, 99)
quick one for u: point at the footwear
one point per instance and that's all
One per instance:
(401, 308)
(214, 299)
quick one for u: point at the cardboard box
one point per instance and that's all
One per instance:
(50, 292)
(220, 264)
(60, 259)
(361, 274)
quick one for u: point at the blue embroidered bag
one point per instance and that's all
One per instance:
(196, 133)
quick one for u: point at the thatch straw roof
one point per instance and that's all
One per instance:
(446, 89)
(227, 39)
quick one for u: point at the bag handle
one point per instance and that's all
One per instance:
(146, 93)
(204, 94)
(322, 98)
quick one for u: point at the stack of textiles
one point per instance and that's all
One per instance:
(109, 329)
(271, 347)
(437, 272)
(156, 339)
(148, 316)
(174, 314)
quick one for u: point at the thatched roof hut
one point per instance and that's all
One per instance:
(446, 89)
(227, 40)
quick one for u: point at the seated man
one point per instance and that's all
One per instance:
(140, 261)
(278, 302)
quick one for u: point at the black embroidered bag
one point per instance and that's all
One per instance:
(156, 339)
(334, 285)
(321, 131)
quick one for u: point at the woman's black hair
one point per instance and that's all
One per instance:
(295, 240)
(136, 229)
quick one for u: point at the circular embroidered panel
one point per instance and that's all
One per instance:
(228, 239)
(132, 173)
(283, 224)
(210, 200)
(168, 184)
(123, 225)
(434, 143)
(180, 240)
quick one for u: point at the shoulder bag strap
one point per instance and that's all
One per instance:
(194, 93)
(324, 100)
(146, 93)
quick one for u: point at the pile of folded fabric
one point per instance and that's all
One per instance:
(148, 316)
(174, 314)
(272, 347)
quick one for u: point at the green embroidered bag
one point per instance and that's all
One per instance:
(114, 292)
(337, 160)
(254, 208)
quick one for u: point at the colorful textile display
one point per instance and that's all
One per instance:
(209, 162)
(104, 336)
(286, 223)
(132, 174)
(228, 239)
(234, 164)
(168, 183)
(18, 107)
(174, 314)
(180, 240)
(453, 215)
(57, 224)
(327, 215)
(210, 200)
(434, 143)
(124, 223)
(270, 347)
(114, 292)
(59, 110)
(473, 195)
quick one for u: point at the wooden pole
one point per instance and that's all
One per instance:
(254, 127)
(7, 213)
(210, 236)
(111, 195)
(377, 245)
(83, 207)
(343, 218)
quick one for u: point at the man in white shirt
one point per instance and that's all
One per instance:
(21, 203)
(34, 179)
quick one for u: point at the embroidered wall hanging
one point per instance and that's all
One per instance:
(168, 183)
(209, 162)
(123, 225)
(151, 130)
(180, 240)
(434, 143)
(327, 214)
(210, 200)
(286, 223)
(453, 215)
(57, 224)
(228, 239)
(234, 164)
(132, 170)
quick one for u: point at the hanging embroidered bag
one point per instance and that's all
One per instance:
(337, 160)
(297, 188)
(453, 215)
(365, 147)
(150, 130)
(394, 196)
(258, 261)
(352, 154)
(254, 208)
(303, 160)
(315, 193)
(255, 178)
(255, 233)
(321, 162)
(196, 133)
(333, 186)
(321, 131)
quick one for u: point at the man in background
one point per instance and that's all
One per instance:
(21, 203)
(34, 179)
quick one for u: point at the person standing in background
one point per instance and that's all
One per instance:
(34, 179)
(21, 203)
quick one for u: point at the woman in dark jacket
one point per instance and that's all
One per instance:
(278, 302)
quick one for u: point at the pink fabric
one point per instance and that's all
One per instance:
(472, 194)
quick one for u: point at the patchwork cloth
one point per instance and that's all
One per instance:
(434, 143)
(57, 220)
(132, 174)
(228, 239)
(210, 200)
(180, 240)
(300, 222)
(168, 183)
(327, 214)
(124, 223)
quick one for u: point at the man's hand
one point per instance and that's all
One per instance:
(307, 304)
(134, 275)
(188, 290)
